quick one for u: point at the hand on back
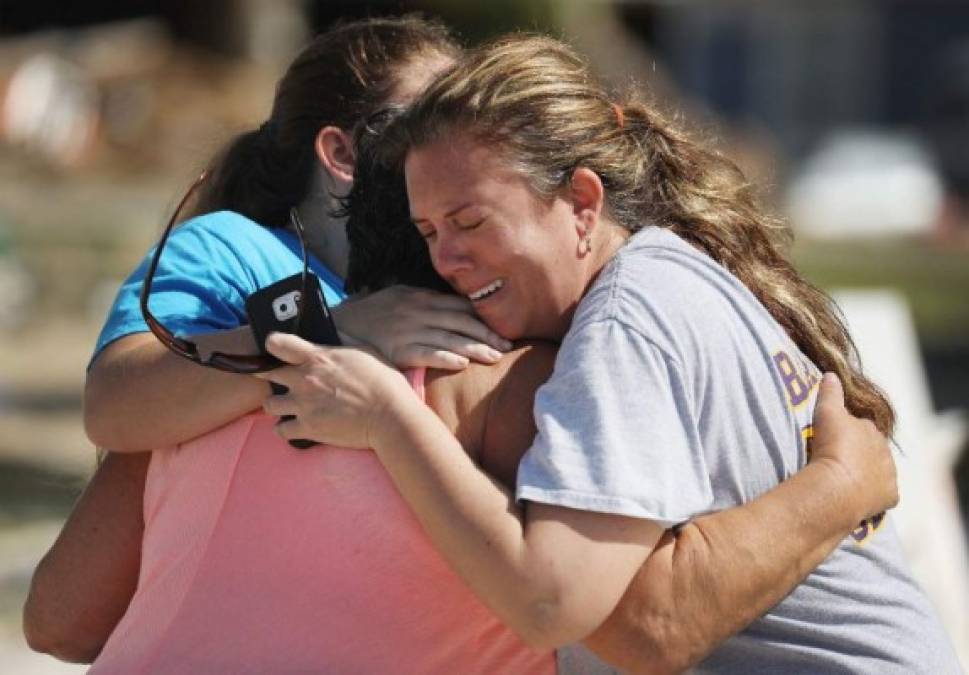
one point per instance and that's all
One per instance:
(855, 449)
(413, 327)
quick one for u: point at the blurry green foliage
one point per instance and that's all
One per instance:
(478, 21)
(934, 280)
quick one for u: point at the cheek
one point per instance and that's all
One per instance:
(559, 274)
(550, 257)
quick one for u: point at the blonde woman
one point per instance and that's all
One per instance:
(690, 362)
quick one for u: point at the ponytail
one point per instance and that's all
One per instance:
(705, 199)
(341, 77)
(256, 178)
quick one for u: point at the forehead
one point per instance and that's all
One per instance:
(456, 169)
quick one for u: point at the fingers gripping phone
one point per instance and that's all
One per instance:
(276, 308)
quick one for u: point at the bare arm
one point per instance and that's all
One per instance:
(552, 574)
(85, 582)
(718, 573)
(83, 585)
(140, 396)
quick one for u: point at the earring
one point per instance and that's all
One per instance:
(585, 247)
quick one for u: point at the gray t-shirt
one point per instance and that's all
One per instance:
(675, 394)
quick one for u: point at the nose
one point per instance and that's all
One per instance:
(449, 254)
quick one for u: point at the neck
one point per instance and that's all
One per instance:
(326, 236)
(612, 238)
(604, 247)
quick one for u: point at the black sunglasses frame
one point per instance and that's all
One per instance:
(230, 363)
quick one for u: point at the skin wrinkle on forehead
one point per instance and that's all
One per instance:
(498, 173)
(499, 168)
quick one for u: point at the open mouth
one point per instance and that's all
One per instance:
(487, 291)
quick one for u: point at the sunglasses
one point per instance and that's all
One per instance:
(230, 363)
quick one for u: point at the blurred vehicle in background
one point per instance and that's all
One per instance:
(863, 184)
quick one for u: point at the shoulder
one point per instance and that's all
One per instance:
(214, 237)
(229, 229)
(658, 267)
(461, 392)
(230, 245)
(661, 288)
(489, 407)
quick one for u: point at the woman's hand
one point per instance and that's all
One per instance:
(413, 327)
(855, 450)
(338, 395)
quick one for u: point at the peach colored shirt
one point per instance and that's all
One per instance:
(258, 558)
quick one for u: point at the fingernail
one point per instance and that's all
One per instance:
(492, 355)
(504, 345)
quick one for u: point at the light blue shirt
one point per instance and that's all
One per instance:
(208, 268)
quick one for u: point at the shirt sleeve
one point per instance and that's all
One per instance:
(616, 431)
(200, 286)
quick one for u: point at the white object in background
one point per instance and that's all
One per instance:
(865, 183)
(928, 519)
(51, 106)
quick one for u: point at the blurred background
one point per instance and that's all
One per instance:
(853, 117)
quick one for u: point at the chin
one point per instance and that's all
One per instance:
(510, 333)
(506, 328)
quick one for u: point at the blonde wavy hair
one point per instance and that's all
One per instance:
(535, 99)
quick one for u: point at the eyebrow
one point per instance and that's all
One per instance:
(449, 214)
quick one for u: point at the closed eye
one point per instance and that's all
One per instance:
(470, 226)
(426, 232)
(423, 227)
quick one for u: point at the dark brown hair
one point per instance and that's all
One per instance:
(385, 248)
(340, 78)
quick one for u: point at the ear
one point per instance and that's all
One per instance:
(588, 198)
(334, 148)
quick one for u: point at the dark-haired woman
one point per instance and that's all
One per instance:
(138, 395)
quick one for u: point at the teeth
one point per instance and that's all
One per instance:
(487, 290)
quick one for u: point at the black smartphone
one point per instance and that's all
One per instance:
(276, 307)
